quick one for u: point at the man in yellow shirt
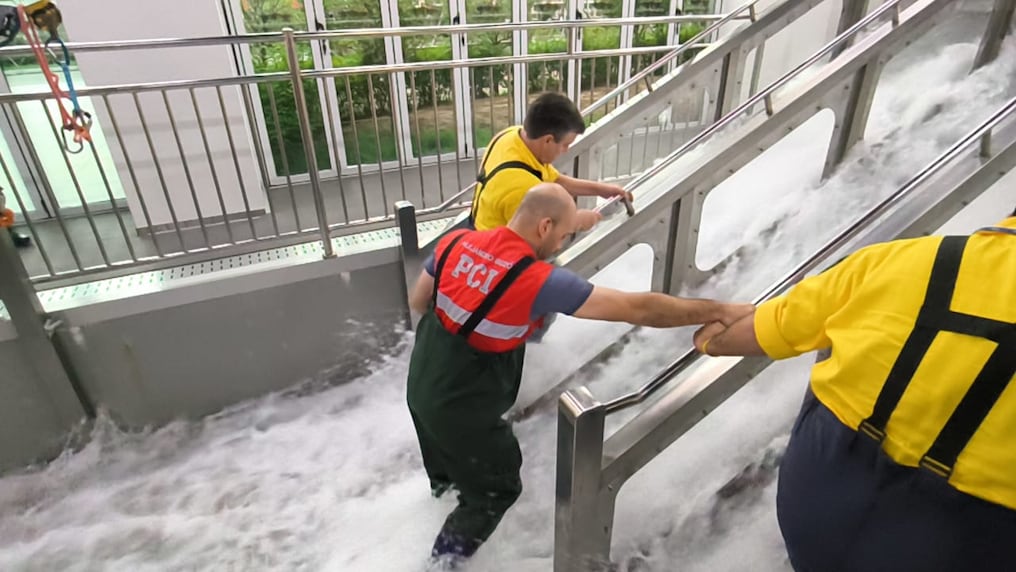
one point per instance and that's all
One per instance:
(520, 157)
(904, 454)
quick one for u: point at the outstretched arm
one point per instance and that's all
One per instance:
(736, 340)
(656, 310)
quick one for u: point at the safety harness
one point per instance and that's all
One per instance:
(491, 299)
(933, 318)
(483, 177)
(29, 20)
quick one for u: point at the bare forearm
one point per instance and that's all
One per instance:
(582, 187)
(662, 311)
(420, 296)
(737, 340)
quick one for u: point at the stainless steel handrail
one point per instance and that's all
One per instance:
(482, 62)
(831, 247)
(331, 73)
(692, 43)
(267, 37)
(672, 55)
(763, 96)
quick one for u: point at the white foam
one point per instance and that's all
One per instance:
(333, 481)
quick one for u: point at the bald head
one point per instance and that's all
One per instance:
(546, 200)
(545, 217)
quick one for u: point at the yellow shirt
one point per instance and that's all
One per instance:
(865, 308)
(496, 201)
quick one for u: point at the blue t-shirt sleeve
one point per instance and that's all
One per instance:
(429, 264)
(563, 292)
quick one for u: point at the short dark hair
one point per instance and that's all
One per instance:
(553, 114)
(1014, 212)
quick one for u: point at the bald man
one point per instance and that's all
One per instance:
(482, 294)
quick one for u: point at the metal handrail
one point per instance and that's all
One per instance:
(831, 247)
(333, 72)
(692, 43)
(672, 55)
(268, 37)
(763, 96)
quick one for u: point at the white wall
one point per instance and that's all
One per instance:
(128, 20)
(795, 43)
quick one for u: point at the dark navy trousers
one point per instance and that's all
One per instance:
(844, 505)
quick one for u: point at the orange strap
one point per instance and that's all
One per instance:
(70, 122)
(6, 218)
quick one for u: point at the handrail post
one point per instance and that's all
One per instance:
(731, 79)
(308, 141)
(39, 347)
(998, 27)
(850, 14)
(582, 529)
(409, 249)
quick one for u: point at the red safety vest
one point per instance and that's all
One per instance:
(485, 283)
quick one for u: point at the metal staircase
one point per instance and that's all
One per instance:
(841, 76)
(592, 469)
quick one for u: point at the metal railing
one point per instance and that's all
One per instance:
(751, 105)
(591, 470)
(634, 84)
(626, 133)
(670, 221)
(720, 67)
(181, 155)
(672, 234)
(678, 262)
(585, 509)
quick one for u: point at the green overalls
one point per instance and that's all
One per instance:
(457, 396)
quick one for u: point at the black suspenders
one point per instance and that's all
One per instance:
(491, 299)
(934, 317)
(483, 176)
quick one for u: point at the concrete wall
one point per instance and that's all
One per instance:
(191, 351)
(30, 428)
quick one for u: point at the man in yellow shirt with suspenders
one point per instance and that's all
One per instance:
(904, 453)
(520, 157)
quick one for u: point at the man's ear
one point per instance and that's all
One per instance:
(545, 226)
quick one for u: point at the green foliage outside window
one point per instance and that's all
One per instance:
(430, 88)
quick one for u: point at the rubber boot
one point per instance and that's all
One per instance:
(20, 240)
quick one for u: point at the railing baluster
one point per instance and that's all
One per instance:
(77, 188)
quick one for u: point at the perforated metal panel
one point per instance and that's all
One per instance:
(156, 280)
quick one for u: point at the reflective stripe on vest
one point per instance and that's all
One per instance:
(933, 318)
(460, 316)
(476, 321)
